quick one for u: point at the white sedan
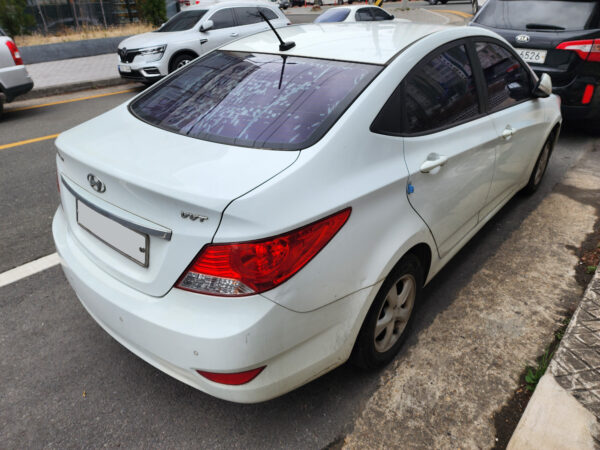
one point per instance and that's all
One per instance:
(272, 210)
(357, 13)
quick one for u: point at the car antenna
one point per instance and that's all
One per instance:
(283, 46)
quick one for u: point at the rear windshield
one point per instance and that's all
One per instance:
(183, 21)
(544, 15)
(333, 15)
(255, 100)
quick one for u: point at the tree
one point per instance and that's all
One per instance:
(13, 18)
(153, 11)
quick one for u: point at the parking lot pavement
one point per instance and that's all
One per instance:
(66, 383)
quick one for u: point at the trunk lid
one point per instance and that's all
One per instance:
(151, 176)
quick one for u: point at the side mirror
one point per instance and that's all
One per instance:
(207, 25)
(544, 86)
(392, 17)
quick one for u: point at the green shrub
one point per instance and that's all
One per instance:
(153, 11)
(13, 18)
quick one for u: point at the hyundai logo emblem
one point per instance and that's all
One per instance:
(522, 38)
(95, 183)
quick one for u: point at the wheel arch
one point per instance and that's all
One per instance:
(183, 51)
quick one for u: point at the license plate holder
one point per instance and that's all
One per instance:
(124, 69)
(532, 55)
(130, 243)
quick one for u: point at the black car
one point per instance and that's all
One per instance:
(559, 37)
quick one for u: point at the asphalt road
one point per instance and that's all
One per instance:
(66, 383)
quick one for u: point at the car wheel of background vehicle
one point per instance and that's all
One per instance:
(433, 2)
(389, 318)
(540, 165)
(474, 6)
(180, 60)
(2, 100)
(444, 2)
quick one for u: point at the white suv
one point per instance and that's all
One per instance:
(197, 30)
(14, 79)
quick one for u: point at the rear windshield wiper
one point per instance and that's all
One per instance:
(543, 26)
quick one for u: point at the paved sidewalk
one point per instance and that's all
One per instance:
(57, 77)
(564, 411)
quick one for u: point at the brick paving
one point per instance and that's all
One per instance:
(576, 364)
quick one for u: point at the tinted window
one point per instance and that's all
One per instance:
(247, 16)
(255, 100)
(441, 92)
(539, 14)
(380, 14)
(507, 80)
(183, 21)
(363, 15)
(223, 19)
(269, 13)
(333, 15)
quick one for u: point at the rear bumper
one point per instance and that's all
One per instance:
(182, 331)
(571, 96)
(15, 81)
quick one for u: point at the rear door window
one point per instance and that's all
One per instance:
(508, 81)
(269, 13)
(183, 21)
(255, 100)
(223, 19)
(380, 14)
(546, 15)
(441, 92)
(248, 16)
(364, 15)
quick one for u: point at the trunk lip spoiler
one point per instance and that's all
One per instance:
(164, 233)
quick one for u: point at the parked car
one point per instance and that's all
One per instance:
(150, 56)
(475, 4)
(358, 13)
(271, 210)
(14, 79)
(559, 37)
(283, 4)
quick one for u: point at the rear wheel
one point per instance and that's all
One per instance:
(388, 321)
(540, 166)
(474, 6)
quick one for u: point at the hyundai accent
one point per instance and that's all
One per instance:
(275, 208)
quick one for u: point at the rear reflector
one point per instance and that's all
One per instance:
(587, 94)
(588, 50)
(246, 268)
(234, 379)
(14, 51)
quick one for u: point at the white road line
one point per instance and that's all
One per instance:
(31, 268)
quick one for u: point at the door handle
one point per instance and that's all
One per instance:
(203, 41)
(433, 160)
(508, 132)
(233, 34)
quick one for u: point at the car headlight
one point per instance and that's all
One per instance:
(153, 53)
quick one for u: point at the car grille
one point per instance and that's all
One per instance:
(127, 56)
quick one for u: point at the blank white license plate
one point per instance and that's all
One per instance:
(532, 56)
(125, 69)
(129, 243)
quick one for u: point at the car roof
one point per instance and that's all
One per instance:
(367, 42)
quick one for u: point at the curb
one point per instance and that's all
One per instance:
(74, 87)
(563, 413)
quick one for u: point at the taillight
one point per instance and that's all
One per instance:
(246, 268)
(14, 51)
(588, 50)
(234, 379)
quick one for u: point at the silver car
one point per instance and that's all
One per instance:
(197, 30)
(14, 79)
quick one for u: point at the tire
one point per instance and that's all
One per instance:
(181, 60)
(433, 2)
(539, 169)
(2, 100)
(474, 6)
(390, 316)
(444, 2)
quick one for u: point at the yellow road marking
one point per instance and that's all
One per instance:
(60, 102)
(452, 11)
(28, 141)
